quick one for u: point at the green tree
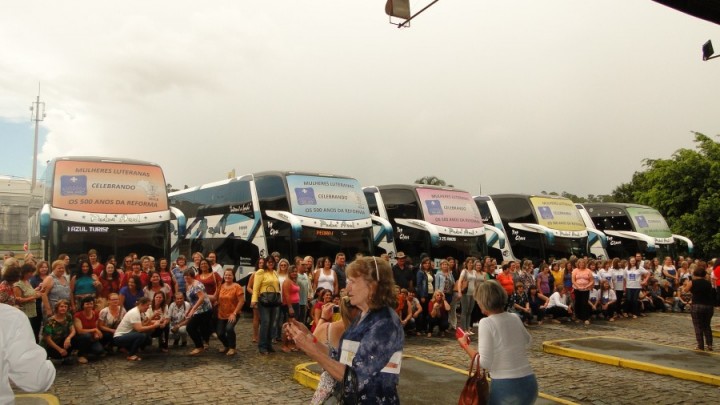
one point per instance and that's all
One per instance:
(432, 181)
(686, 190)
(580, 199)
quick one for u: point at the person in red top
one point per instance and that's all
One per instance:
(167, 276)
(136, 270)
(111, 281)
(96, 266)
(210, 279)
(87, 333)
(716, 275)
(506, 279)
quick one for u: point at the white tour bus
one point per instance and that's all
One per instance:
(535, 227)
(634, 228)
(420, 219)
(293, 213)
(115, 206)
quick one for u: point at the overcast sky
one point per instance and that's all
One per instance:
(511, 96)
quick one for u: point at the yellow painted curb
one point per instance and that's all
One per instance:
(556, 399)
(309, 379)
(552, 347)
(305, 377)
(48, 398)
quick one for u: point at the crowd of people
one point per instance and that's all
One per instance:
(335, 311)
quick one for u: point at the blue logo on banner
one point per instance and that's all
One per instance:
(305, 196)
(434, 207)
(73, 185)
(642, 221)
(546, 213)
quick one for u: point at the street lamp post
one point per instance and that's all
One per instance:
(37, 114)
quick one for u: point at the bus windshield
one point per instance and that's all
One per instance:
(108, 188)
(335, 198)
(452, 209)
(649, 222)
(558, 214)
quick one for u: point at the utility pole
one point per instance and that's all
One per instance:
(37, 114)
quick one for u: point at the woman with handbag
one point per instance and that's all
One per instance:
(367, 366)
(266, 296)
(502, 341)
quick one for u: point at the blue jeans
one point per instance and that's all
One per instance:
(86, 344)
(226, 333)
(513, 391)
(132, 341)
(631, 301)
(267, 320)
(467, 303)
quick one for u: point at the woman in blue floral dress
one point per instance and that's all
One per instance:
(372, 346)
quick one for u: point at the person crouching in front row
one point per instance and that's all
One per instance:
(135, 330)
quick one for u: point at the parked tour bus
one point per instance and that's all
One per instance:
(633, 228)
(431, 220)
(115, 206)
(293, 213)
(597, 240)
(497, 240)
(536, 227)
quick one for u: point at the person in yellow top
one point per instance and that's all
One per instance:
(557, 271)
(266, 297)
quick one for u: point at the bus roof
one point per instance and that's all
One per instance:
(518, 195)
(615, 205)
(102, 159)
(299, 173)
(416, 186)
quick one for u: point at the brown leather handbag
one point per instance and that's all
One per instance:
(477, 388)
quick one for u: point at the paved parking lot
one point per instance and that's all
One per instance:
(249, 378)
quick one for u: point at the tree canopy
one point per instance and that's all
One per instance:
(686, 191)
(432, 180)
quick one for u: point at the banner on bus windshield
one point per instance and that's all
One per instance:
(109, 188)
(650, 222)
(452, 209)
(558, 214)
(327, 198)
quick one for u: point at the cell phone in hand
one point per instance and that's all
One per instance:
(336, 309)
(460, 333)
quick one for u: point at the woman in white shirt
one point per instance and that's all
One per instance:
(502, 344)
(325, 276)
(558, 304)
(636, 277)
(619, 276)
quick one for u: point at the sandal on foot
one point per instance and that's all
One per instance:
(134, 358)
(196, 351)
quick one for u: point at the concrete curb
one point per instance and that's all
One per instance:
(553, 347)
